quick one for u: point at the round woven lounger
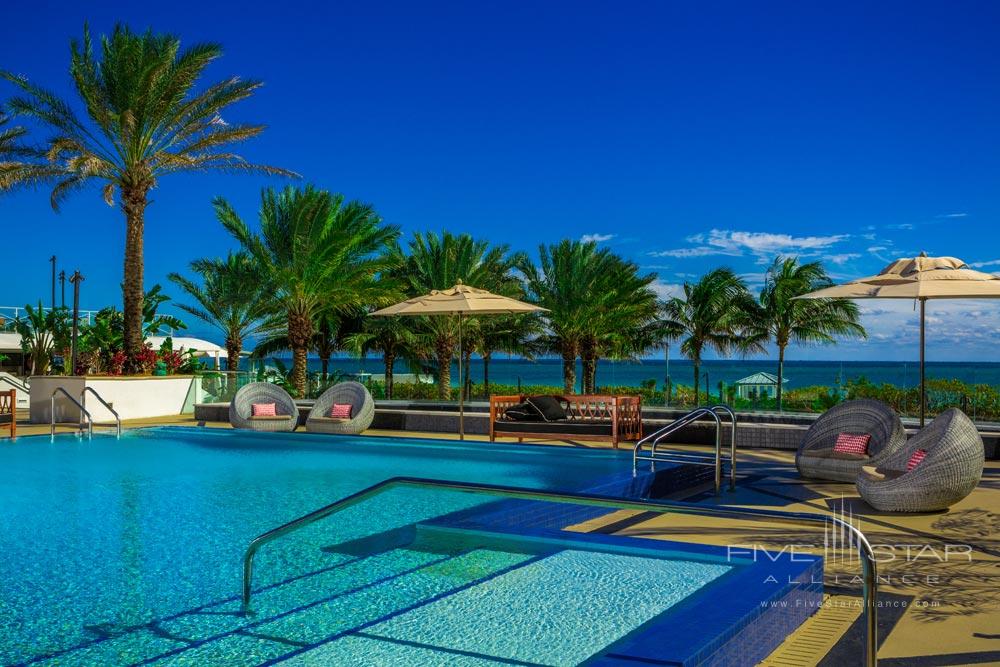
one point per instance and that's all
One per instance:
(351, 393)
(948, 473)
(241, 408)
(815, 457)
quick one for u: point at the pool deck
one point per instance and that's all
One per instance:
(940, 572)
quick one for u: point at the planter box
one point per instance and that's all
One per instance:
(131, 397)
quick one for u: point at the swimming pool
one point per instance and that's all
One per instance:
(128, 552)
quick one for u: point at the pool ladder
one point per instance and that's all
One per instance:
(866, 556)
(692, 458)
(86, 423)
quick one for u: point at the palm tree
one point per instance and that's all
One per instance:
(513, 334)
(568, 279)
(144, 119)
(785, 319)
(319, 255)
(440, 262)
(714, 313)
(394, 337)
(232, 297)
(623, 307)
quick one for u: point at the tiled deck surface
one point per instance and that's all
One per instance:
(940, 590)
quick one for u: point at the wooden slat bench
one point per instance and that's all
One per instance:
(596, 417)
(8, 410)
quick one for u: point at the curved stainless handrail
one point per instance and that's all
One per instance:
(83, 411)
(867, 557)
(118, 420)
(732, 442)
(696, 414)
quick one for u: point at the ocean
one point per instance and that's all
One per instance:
(632, 373)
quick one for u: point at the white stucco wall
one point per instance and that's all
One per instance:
(131, 397)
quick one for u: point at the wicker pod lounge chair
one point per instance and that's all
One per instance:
(949, 471)
(816, 458)
(241, 408)
(350, 393)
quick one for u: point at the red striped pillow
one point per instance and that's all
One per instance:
(341, 411)
(850, 443)
(915, 459)
(263, 410)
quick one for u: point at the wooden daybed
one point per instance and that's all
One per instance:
(597, 417)
(8, 410)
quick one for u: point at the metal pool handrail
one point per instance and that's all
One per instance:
(654, 439)
(83, 411)
(118, 420)
(865, 553)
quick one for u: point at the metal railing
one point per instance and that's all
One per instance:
(693, 458)
(107, 406)
(80, 407)
(865, 553)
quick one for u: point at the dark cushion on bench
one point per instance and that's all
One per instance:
(564, 427)
(522, 412)
(548, 407)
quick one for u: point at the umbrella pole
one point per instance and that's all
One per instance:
(923, 386)
(461, 384)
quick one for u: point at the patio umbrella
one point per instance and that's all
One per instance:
(461, 300)
(920, 278)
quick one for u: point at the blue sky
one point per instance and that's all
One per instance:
(683, 135)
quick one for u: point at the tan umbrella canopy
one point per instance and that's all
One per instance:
(459, 300)
(920, 278)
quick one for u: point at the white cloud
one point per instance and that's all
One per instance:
(763, 245)
(979, 265)
(665, 290)
(598, 238)
(953, 215)
(841, 258)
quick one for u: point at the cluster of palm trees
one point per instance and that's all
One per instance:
(304, 280)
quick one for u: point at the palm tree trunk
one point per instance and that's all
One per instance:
(324, 363)
(134, 202)
(587, 353)
(390, 361)
(234, 346)
(781, 373)
(569, 366)
(444, 349)
(300, 338)
(467, 358)
(486, 372)
(697, 376)
(300, 354)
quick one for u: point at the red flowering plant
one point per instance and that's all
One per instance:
(144, 361)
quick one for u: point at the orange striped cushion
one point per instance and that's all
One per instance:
(848, 443)
(263, 410)
(341, 411)
(915, 459)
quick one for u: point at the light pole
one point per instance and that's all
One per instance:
(53, 260)
(75, 279)
(666, 378)
(62, 285)
(708, 397)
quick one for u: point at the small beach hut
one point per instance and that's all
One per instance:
(758, 385)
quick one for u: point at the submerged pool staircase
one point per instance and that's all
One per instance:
(86, 423)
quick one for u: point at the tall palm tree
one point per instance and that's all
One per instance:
(623, 307)
(514, 334)
(144, 119)
(231, 296)
(394, 337)
(567, 281)
(439, 262)
(319, 255)
(784, 319)
(714, 313)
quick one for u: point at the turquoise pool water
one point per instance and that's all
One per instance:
(128, 552)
